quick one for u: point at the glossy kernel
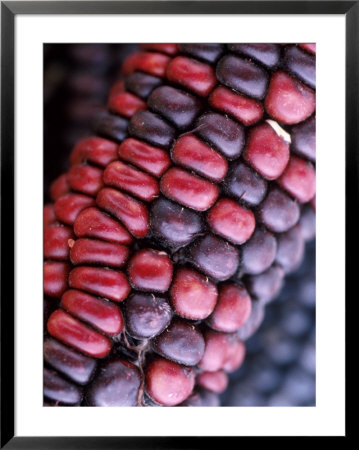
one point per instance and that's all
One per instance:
(299, 179)
(188, 189)
(232, 309)
(148, 158)
(168, 383)
(192, 153)
(246, 110)
(124, 103)
(93, 251)
(148, 62)
(266, 151)
(69, 206)
(55, 278)
(215, 257)
(94, 223)
(135, 182)
(85, 179)
(231, 220)
(56, 239)
(132, 213)
(107, 283)
(288, 100)
(196, 76)
(72, 332)
(150, 270)
(94, 149)
(193, 295)
(102, 314)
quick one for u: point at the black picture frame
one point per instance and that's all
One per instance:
(9, 10)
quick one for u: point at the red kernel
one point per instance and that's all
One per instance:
(194, 75)
(188, 189)
(106, 283)
(151, 63)
(49, 215)
(288, 100)
(124, 103)
(150, 270)
(299, 179)
(56, 242)
(170, 49)
(311, 48)
(92, 222)
(103, 315)
(213, 381)
(232, 221)
(69, 206)
(137, 183)
(85, 179)
(246, 110)
(94, 149)
(151, 159)
(222, 351)
(232, 310)
(191, 152)
(74, 333)
(59, 187)
(266, 151)
(130, 212)
(168, 383)
(193, 296)
(55, 278)
(93, 251)
(235, 355)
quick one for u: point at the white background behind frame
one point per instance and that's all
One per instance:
(327, 418)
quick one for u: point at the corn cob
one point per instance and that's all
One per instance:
(182, 220)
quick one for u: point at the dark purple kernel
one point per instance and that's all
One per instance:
(141, 84)
(76, 366)
(303, 139)
(175, 105)
(307, 222)
(223, 133)
(207, 52)
(151, 128)
(117, 385)
(245, 184)
(174, 224)
(146, 315)
(259, 252)
(254, 322)
(215, 257)
(60, 390)
(266, 286)
(111, 126)
(181, 342)
(300, 63)
(267, 54)
(243, 76)
(290, 249)
(278, 211)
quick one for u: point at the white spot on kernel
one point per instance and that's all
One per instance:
(279, 130)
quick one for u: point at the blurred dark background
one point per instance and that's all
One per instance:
(279, 369)
(77, 78)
